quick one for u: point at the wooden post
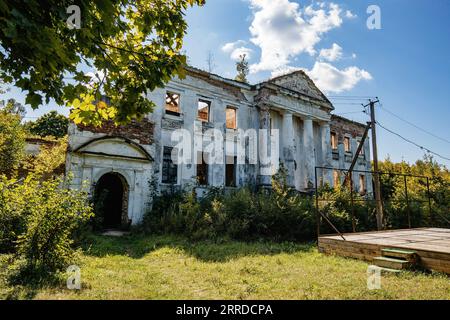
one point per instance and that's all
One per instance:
(379, 204)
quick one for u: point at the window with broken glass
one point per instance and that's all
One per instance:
(169, 169)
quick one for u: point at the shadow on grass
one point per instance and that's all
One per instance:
(17, 282)
(137, 246)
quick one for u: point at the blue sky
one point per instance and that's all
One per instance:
(406, 63)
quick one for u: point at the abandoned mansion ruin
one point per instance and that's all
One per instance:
(286, 118)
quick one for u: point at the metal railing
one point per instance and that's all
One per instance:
(368, 197)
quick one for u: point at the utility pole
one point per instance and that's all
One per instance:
(379, 203)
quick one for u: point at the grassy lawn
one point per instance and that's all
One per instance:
(166, 267)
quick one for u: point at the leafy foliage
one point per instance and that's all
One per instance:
(57, 213)
(38, 220)
(135, 46)
(417, 206)
(50, 124)
(281, 214)
(50, 160)
(12, 141)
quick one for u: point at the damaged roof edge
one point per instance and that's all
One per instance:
(362, 125)
(248, 86)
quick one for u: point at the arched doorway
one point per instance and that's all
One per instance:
(111, 201)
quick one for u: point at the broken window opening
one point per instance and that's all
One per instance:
(334, 144)
(347, 147)
(204, 110)
(231, 118)
(230, 172)
(202, 170)
(336, 179)
(173, 103)
(362, 184)
(169, 169)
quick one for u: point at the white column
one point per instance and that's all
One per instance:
(288, 146)
(326, 153)
(264, 177)
(310, 159)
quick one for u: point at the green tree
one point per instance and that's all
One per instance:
(14, 107)
(12, 140)
(242, 69)
(135, 46)
(50, 124)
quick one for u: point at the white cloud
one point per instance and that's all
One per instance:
(230, 46)
(236, 49)
(332, 54)
(330, 79)
(283, 30)
(283, 70)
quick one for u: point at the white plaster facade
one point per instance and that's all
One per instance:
(291, 103)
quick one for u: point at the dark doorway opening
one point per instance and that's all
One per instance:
(109, 195)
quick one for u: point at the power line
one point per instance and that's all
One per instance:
(344, 113)
(412, 142)
(415, 126)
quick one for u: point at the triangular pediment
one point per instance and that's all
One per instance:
(299, 81)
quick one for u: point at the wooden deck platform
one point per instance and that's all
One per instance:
(432, 245)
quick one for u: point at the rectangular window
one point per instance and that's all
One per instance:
(336, 178)
(230, 172)
(334, 144)
(361, 153)
(203, 110)
(169, 169)
(362, 184)
(173, 103)
(347, 147)
(231, 118)
(202, 170)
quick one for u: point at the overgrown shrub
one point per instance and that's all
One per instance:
(38, 221)
(242, 214)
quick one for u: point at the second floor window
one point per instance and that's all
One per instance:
(361, 153)
(203, 110)
(347, 147)
(231, 118)
(173, 103)
(334, 144)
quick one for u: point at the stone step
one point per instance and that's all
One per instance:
(391, 263)
(407, 255)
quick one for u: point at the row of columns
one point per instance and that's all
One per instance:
(287, 140)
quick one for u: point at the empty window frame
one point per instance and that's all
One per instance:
(204, 110)
(347, 147)
(202, 170)
(336, 178)
(169, 169)
(361, 153)
(173, 103)
(231, 118)
(362, 184)
(334, 143)
(230, 172)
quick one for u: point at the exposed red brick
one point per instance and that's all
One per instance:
(136, 130)
(342, 126)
